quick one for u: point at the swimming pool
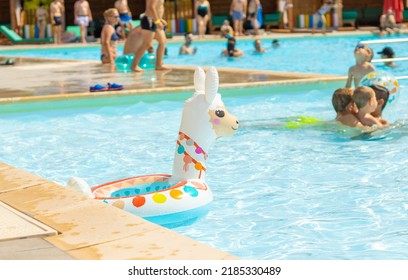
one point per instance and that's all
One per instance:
(327, 55)
(279, 193)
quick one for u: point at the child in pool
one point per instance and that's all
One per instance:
(381, 94)
(366, 102)
(345, 107)
(231, 51)
(258, 46)
(363, 55)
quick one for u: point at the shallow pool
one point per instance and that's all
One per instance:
(328, 55)
(279, 192)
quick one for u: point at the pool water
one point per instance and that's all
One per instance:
(307, 192)
(328, 55)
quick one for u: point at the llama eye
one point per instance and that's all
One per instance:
(220, 113)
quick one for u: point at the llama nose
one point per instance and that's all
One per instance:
(237, 121)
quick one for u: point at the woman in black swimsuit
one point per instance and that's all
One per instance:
(202, 15)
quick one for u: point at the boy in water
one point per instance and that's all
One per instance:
(231, 51)
(345, 107)
(381, 94)
(186, 48)
(388, 52)
(366, 102)
(258, 46)
(363, 55)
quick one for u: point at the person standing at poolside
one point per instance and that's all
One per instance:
(109, 38)
(83, 16)
(363, 55)
(226, 29)
(253, 8)
(202, 12)
(238, 10)
(388, 23)
(125, 16)
(56, 11)
(152, 26)
(320, 14)
(42, 16)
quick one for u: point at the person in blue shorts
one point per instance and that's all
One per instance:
(253, 8)
(125, 16)
(238, 12)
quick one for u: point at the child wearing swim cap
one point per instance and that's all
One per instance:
(388, 52)
(345, 107)
(363, 55)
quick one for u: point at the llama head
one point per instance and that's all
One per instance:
(204, 119)
(205, 112)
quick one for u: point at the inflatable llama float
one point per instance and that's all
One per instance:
(184, 196)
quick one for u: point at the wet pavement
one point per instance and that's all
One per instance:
(43, 77)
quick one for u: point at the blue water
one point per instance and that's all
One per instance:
(329, 55)
(279, 193)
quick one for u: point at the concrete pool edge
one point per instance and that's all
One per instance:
(228, 80)
(91, 230)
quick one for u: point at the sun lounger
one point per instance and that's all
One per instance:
(217, 22)
(350, 17)
(17, 39)
(75, 29)
(272, 20)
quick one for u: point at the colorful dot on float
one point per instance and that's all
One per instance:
(180, 149)
(139, 201)
(190, 142)
(176, 194)
(198, 166)
(159, 198)
(198, 150)
(191, 191)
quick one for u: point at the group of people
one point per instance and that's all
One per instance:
(240, 11)
(232, 51)
(139, 39)
(362, 106)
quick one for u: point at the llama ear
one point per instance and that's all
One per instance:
(211, 84)
(199, 80)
